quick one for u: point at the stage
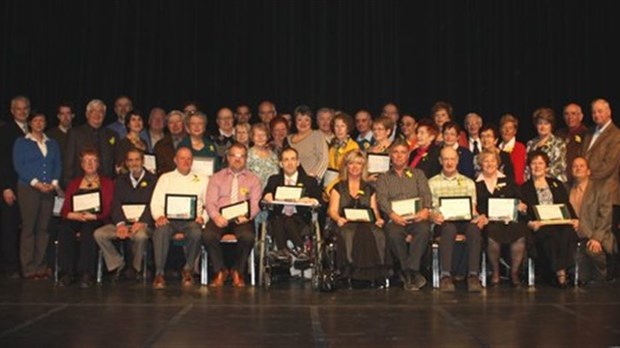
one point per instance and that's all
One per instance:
(292, 314)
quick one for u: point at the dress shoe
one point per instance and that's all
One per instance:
(446, 284)
(159, 282)
(237, 279)
(86, 281)
(417, 282)
(220, 279)
(65, 281)
(473, 284)
(118, 272)
(188, 279)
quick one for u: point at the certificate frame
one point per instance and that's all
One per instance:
(457, 201)
(150, 162)
(503, 203)
(400, 207)
(91, 200)
(562, 210)
(330, 176)
(127, 207)
(203, 165)
(355, 215)
(289, 191)
(377, 163)
(232, 211)
(192, 206)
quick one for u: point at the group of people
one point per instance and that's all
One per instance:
(382, 187)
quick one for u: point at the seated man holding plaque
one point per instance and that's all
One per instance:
(232, 201)
(499, 200)
(454, 203)
(131, 215)
(87, 205)
(404, 196)
(288, 220)
(592, 202)
(177, 206)
(550, 218)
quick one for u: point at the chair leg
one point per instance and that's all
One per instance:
(204, 272)
(577, 261)
(435, 264)
(531, 274)
(483, 270)
(145, 258)
(252, 268)
(99, 267)
(56, 261)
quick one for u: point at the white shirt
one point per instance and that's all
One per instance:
(176, 183)
(508, 146)
(471, 144)
(134, 181)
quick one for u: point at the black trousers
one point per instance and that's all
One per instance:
(245, 242)
(87, 247)
(285, 228)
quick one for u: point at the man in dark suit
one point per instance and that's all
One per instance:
(592, 203)
(288, 221)
(90, 135)
(20, 108)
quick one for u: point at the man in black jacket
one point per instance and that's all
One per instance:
(9, 132)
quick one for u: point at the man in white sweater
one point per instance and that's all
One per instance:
(174, 191)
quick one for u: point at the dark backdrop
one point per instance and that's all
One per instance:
(485, 56)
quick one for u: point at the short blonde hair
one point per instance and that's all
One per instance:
(350, 157)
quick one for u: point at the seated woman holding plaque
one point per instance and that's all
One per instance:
(341, 144)
(288, 221)
(88, 201)
(549, 215)
(353, 207)
(497, 196)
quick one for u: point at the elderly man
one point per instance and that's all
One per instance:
(450, 183)
(90, 135)
(165, 149)
(132, 191)
(266, 112)
(573, 135)
(363, 127)
(324, 117)
(9, 132)
(122, 105)
(155, 131)
(401, 183)
(473, 124)
(185, 186)
(592, 203)
(231, 185)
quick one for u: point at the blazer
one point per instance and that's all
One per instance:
(518, 157)
(560, 195)
(9, 133)
(466, 162)
(310, 184)
(604, 159)
(595, 215)
(83, 137)
(429, 164)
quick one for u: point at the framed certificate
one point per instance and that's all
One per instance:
(289, 193)
(407, 208)
(203, 165)
(378, 163)
(359, 215)
(330, 176)
(181, 207)
(552, 214)
(456, 208)
(150, 162)
(235, 210)
(58, 202)
(503, 209)
(133, 212)
(88, 202)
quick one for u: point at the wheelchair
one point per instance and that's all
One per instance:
(319, 267)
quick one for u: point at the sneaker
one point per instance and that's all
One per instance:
(417, 283)
(446, 284)
(473, 284)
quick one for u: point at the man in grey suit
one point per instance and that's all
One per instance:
(90, 136)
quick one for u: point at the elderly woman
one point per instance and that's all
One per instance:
(508, 126)
(309, 143)
(491, 183)
(554, 147)
(134, 122)
(262, 160)
(426, 156)
(488, 141)
(36, 159)
(341, 144)
(197, 141)
(557, 242)
(363, 244)
(381, 130)
(279, 128)
(242, 134)
(83, 223)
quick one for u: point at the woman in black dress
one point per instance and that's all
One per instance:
(491, 183)
(361, 245)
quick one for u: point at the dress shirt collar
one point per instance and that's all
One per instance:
(509, 145)
(29, 136)
(498, 175)
(134, 181)
(292, 178)
(600, 130)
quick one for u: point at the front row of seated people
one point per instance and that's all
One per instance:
(365, 248)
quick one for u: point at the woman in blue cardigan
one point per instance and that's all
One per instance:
(37, 162)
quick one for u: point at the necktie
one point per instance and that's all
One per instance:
(476, 151)
(234, 189)
(289, 210)
(25, 128)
